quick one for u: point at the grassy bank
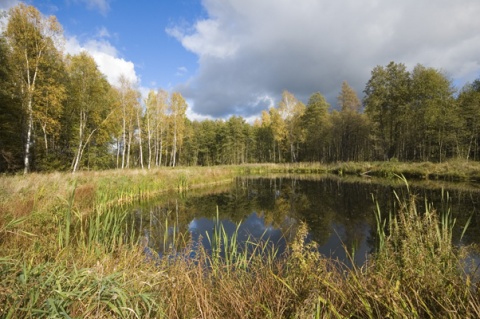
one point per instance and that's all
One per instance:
(67, 253)
(448, 171)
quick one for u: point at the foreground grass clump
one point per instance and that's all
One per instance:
(71, 254)
(417, 271)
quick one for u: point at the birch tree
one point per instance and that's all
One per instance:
(291, 110)
(49, 96)
(31, 36)
(160, 124)
(150, 103)
(277, 124)
(87, 102)
(129, 102)
(178, 108)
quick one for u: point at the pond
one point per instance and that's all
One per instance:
(339, 212)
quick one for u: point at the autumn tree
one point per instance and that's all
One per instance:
(150, 105)
(128, 106)
(178, 108)
(49, 97)
(279, 132)
(348, 99)
(291, 111)
(350, 128)
(87, 102)
(156, 106)
(160, 125)
(32, 38)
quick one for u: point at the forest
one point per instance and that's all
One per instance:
(58, 112)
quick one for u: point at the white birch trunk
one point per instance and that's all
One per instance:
(29, 137)
(140, 138)
(149, 138)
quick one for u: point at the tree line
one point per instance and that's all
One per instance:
(58, 112)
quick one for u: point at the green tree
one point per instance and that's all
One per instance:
(386, 100)
(207, 147)
(469, 111)
(31, 38)
(235, 147)
(432, 121)
(191, 144)
(264, 141)
(317, 126)
(11, 114)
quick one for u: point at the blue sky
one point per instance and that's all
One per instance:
(137, 31)
(235, 57)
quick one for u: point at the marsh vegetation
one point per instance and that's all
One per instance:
(67, 250)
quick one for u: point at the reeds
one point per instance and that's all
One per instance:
(68, 259)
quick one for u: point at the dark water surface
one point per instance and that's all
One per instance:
(339, 212)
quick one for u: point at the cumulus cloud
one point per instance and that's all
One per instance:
(107, 58)
(248, 50)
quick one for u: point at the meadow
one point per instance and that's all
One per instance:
(67, 252)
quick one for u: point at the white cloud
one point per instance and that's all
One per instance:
(103, 6)
(7, 4)
(220, 45)
(249, 49)
(103, 33)
(104, 53)
(181, 71)
(107, 58)
(192, 116)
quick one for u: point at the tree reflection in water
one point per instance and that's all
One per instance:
(339, 212)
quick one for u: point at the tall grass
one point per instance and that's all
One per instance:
(417, 270)
(67, 258)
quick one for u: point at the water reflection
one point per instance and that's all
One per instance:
(253, 228)
(338, 212)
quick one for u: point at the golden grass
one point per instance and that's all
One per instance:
(98, 273)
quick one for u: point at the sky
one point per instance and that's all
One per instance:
(236, 57)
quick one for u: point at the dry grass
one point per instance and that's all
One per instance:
(65, 254)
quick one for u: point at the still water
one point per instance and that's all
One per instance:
(339, 212)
